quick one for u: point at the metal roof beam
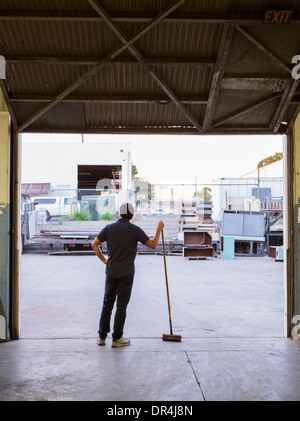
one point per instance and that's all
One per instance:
(141, 60)
(168, 61)
(107, 100)
(141, 18)
(283, 106)
(275, 84)
(223, 52)
(188, 130)
(100, 64)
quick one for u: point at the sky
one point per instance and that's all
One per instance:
(184, 159)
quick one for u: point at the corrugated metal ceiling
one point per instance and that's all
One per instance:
(207, 67)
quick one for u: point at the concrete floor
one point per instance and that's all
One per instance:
(229, 313)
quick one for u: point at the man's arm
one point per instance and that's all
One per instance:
(152, 244)
(96, 247)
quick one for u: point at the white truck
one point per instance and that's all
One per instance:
(56, 206)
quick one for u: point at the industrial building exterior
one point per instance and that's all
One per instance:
(86, 165)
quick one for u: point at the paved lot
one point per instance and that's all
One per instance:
(61, 297)
(229, 313)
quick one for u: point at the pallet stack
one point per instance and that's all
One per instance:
(196, 228)
(204, 212)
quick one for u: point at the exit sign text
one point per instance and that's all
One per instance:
(278, 16)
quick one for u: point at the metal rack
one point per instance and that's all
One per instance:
(273, 209)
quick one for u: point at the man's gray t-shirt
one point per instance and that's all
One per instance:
(121, 237)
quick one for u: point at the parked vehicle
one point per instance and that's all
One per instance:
(56, 206)
(159, 212)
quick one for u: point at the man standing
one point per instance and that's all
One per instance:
(121, 237)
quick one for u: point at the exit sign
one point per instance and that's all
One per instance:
(278, 16)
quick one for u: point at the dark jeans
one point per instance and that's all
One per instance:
(119, 288)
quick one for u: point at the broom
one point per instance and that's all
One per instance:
(168, 337)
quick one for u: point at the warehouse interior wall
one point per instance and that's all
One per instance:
(296, 221)
(4, 220)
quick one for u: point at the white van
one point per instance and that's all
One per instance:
(56, 206)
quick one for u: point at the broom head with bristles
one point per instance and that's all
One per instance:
(171, 338)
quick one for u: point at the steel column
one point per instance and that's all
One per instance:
(296, 220)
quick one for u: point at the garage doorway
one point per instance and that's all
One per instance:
(62, 296)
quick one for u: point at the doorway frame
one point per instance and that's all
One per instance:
(15, 239)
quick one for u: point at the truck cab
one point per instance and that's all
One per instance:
(56, 206)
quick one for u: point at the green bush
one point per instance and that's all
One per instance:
(107, 217)
(82, 215)
(63, 218)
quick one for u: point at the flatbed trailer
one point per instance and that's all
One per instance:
(62, 242)
(65, 240)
